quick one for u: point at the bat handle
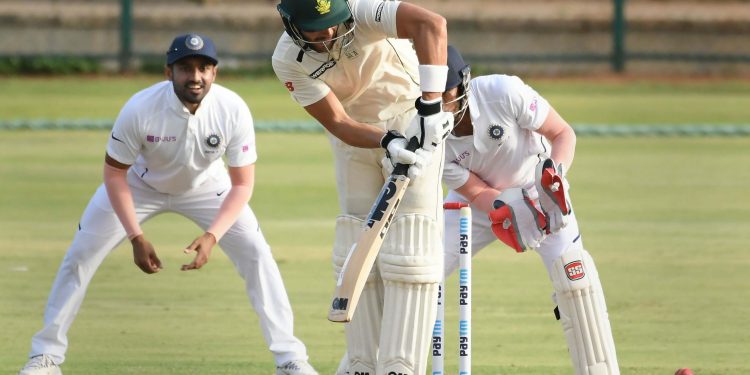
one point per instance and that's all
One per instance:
(402, 169)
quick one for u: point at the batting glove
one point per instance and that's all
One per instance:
(431, 125)
(415, 169)
(395, 148)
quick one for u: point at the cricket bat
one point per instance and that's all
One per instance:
(362, 256)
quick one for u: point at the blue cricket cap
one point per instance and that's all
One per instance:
(191, 45)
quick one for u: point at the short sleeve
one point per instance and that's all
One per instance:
(530, 108)
(377, 15)
(454, 175)
(304, 89)
(241, 149)
(124, 143)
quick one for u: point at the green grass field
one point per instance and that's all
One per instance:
(665, 218)
(580, 101)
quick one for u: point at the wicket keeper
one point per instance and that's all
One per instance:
(507, 157)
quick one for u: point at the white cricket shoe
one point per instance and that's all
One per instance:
(296, 367)
(40, 365)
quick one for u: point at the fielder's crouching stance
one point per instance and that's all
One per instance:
(165, 155)
(496, 160)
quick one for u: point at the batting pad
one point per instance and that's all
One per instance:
(412, 251)
(343, 368)
(348, 230)
(408, 319)
(583, 314)
(363, 332)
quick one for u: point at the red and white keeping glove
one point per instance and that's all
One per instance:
(516, 221)
(553, 194)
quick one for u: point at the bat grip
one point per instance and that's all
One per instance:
(401, 169)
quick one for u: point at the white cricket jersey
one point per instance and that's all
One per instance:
(376, 76)
(502, 151)
(174, 151)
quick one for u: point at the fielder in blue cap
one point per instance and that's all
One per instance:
(190, 53)
(191, 45)
(184, 145)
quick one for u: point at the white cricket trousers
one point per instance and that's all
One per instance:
(100, 231)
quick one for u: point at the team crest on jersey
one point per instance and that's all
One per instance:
(497, 134)
(213, 141)
(324, 6)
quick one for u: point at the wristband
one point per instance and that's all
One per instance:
(432, 78)
(388, 137)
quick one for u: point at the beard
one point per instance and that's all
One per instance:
(191, 92)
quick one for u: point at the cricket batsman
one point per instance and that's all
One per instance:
(507, 157)
(372, 72)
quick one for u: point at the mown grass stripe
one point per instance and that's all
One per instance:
(304, 126)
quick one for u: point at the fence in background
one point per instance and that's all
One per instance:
(615, 36)
(617, 57)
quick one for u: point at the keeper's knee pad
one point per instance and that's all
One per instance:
(412, 251)
(583, 314)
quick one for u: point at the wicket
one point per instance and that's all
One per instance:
(464, 299)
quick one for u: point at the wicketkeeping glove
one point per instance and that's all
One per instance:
(553, 193)
(431, 125)
(516, 221)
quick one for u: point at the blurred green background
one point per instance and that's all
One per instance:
(612, 101)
